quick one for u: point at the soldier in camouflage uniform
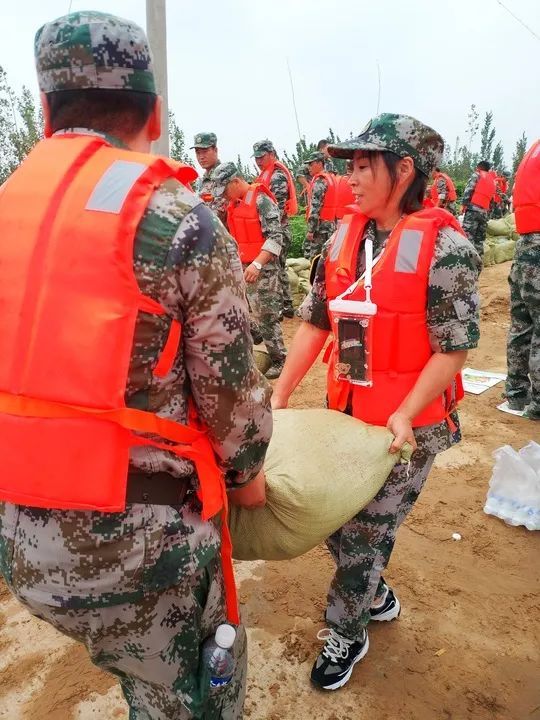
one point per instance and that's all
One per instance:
(261, 275)
(264, 154)
(143, 588)
(318, 231)
(442, 191)
(322, 147)
(362, 547)
(475, 218)
(205, 146)
(523, 347)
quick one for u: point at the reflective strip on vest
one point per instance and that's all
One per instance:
(339, 237)
(536, 152)
(249, 196)
(410, 242)
(111, 191)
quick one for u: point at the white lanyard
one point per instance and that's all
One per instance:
(366, 276)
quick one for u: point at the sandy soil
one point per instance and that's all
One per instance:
(466, 645)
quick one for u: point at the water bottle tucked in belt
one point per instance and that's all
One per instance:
(217, 656)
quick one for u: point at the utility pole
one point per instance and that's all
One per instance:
(156, 28)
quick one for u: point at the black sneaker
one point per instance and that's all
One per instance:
(334, 664)
(274, 372)
(257, 337)
(288, 313)
(389, 608)
(517, 403)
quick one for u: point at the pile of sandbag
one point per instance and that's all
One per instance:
(322, 467)
(298, 272)
(500, 243)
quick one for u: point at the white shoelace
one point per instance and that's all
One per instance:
(336, 647)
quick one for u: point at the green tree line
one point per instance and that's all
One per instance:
(21, 126)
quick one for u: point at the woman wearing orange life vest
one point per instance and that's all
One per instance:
(424, 286)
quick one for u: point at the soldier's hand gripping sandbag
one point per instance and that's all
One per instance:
(322, 468)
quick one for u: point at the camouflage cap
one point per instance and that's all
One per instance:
(316, 157)
(93, 50)
(222, 175)
(400, 134)
(262, 147)
(204, 140)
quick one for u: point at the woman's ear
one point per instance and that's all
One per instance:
(405, 169)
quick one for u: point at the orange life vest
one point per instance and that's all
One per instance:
(427, 202)
(484, 190)
(329, 206)
(401, 346)
(450, 188)
(291, 206)
(244, 223)
(70, 301)
(526, 194)
(344, 195)
(501, 186)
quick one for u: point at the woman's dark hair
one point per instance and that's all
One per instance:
(413, 197)
(110, 111)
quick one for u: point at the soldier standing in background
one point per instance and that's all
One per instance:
(322, 147)
(476, 203)
(207, 154)
(443, 191)
(321, 218)
(277, 178)
(253, 219)
(523, 347)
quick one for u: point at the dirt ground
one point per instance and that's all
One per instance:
(466, 645)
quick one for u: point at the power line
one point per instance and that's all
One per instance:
(294, 101)
(518, 19)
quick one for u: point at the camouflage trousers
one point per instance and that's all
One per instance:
(362, 547)
(474, 225)
(283, 277)
(142, 590)
(265, 302)
(523, 346)
(314, 247)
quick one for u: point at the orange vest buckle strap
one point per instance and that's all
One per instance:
(401, 346)
(63, 386)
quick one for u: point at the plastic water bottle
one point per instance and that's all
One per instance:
(218, 658)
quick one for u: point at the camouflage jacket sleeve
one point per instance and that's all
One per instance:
(318, 192)
(314, 309)
(231, 396)
(269, 216)
(280, 188)
(441, 190)
(469, 189)
(453, 299)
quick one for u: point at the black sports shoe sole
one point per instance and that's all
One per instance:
(345, 679)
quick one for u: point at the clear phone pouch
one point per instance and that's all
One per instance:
(353, 332)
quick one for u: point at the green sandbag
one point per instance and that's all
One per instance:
(503, 252)
(298, 264)
(297, 299)
(488, 257)
(304, 286)
(502, 226)
(293, 280)
(262, 358)
(322, 468)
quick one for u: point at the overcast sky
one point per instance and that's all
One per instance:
(228, 71)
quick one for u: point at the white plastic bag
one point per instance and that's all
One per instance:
(514, 488)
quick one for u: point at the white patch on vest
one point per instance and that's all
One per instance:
(410, 242)
(536, 152)
(111, 191)
(339, 237)
(248, 198)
